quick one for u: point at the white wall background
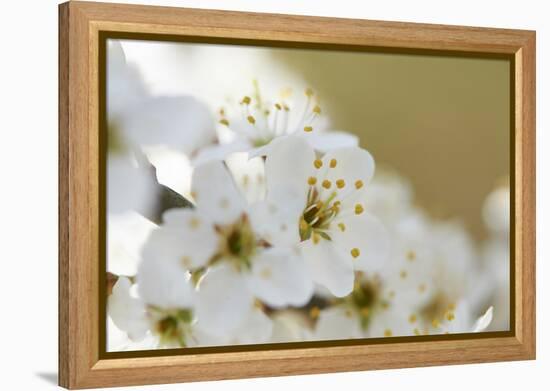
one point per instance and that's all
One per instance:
(28, 207)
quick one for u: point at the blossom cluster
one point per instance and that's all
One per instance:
(285, 235)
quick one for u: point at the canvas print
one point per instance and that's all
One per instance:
(259, 195)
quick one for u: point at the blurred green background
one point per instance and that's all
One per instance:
(441, 122)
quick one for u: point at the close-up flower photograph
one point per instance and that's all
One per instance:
(254, 195)
(289, 202)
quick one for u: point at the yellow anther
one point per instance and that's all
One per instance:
(452, 307)
(246, 100)
(308, 129)
(278, 106)
(327, 184)
(412, 318)
(333, 163)
(311, 180)
(450, 316)
(314, 312)
(342, 226)
(318, 163)
(337, 204)
(309, 92)
(186, 262)
(411, 255)
(316, 238)
(355, 252)
(358, 209)
(222, 111)
(317, 109)
(267, 112)
(225, 122)
(340, 183)
(285, 107)
(258, 304)
(194, 223)
(388, 333)
(266, 273)
(365, 311)
(358, 184)
(251, 119)
(403, 274)
(435, 323)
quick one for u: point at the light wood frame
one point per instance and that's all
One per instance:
(80, 362)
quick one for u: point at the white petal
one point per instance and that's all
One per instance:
(326, 141)
(349, 165)
(256, 328)
(180, 122)
(366, 234)
(128, 187)
(288, 167)
(216, 194)
(219, 151)
(126, 235)
(127, 312)
(329, 266)
(224, 300)
(186, 238)
(280, 277)
(337, 323)
(165, 284)
(276, 225)
(483, 321)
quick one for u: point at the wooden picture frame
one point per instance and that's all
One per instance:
(83, 364)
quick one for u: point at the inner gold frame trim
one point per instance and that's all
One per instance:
(83, 30)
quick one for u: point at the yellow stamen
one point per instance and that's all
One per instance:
(314, 312)
(388, 333)
(312, 181)
(403, 274)
(358, 209)
(450, 316)
(308, 129)
(316, 238)
(278, 106)
(225, 122)
(342, 226)
(246, 100)
(327, 184)
(309, 92)
(194, 223)
(412, 318)
(435, 323)
(355, 252)
(317, 109)
(333, 163)
(358, 184)
(411, 255)
(365, 311)
(318, 163)
(251, 119)
(340, 183)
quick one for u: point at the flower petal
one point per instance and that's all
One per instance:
(180, 122)
(326, 141)
(280, 277)
(329, 266)
(224, 300)
(337, 323)
(216, 194)
(186, 239)
(165, 284)
(278, 226)
(352, 166)
(289, 164)
(483, 321)
(219, 151)
(127, 312)
(364, 241)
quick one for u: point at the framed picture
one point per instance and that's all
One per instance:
(248, 195)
